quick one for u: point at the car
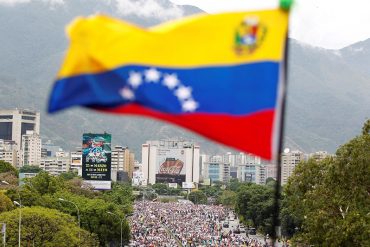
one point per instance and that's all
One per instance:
(225, 225)
(242, 229)
(252, 231)
(237, 231)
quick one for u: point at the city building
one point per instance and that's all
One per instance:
(217, 171)
(76, 161)
(55, 165)
(289, 159)
(31, 148)
(16, 122)
(241, 166)
(48, 149)
(122, 160)
(170, 161)
(319, 155)
(9, 152)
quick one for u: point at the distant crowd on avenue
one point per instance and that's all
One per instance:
(157, 224)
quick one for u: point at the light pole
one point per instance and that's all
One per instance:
(121, 221)
(78, 217)
(19, 204)
(3, 230)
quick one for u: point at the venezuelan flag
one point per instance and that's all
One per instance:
(218, 75)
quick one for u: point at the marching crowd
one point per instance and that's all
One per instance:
(157, 224)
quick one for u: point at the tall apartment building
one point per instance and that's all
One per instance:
(123, 160)
(16, 122)
(31, 148)
(9, 152)
(170, 161)
(289, 161)
(55, 165)
(217, 171)
(76, 161)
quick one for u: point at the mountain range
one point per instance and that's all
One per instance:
(328, 90)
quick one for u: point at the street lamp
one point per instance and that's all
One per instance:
(121, 221)
(78, 217)
(19, 204)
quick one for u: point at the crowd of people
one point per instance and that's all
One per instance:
(157, 224)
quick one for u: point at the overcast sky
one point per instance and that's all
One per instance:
(325, 23)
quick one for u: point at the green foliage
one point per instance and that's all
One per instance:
(234, 184)
(121, 195)
(94, 216)
(30, 169)
(5, 203)
(7, 167)
(44, 183)
(255, 202)
(45, 227)
(227, 198)
(198, 197)
(68, 175)
(329, 201)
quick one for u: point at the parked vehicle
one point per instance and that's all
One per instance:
(252, 231)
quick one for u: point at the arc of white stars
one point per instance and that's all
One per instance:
(170, 81)
(152, 75)
(135, 79)
(189, 105)
(183, 93)
(127, 93)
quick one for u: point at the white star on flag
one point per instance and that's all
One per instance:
(183, 93)
(152, 75)
(189, 105)
(127, 93)
(170, 81)
(135, 79)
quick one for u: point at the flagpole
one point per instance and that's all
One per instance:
(277, 196)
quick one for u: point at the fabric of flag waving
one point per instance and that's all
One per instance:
(217, 75)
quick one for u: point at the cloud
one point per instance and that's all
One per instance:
(161, 10)
(15, 2)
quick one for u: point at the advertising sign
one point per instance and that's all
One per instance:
(172, 185)
(188, 185)
(96, 157)
(170, 166)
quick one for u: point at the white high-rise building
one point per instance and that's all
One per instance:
(31, 149)
(55, 165)
(289, 161)
(170, 161)
(9, 152)
(16, 122)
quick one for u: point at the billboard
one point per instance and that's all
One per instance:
(188, 185)
(170, 167)
(96, 157)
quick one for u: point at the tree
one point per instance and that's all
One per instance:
(45, 227)
(234, 184)
(5, 203)
(7, 167)
(160, 188)
(94, 216)
(30, 169)
(334, 204)
(227, 198)
(198, 197)
(255, 203)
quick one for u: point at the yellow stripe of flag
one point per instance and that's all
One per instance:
(101, 43)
